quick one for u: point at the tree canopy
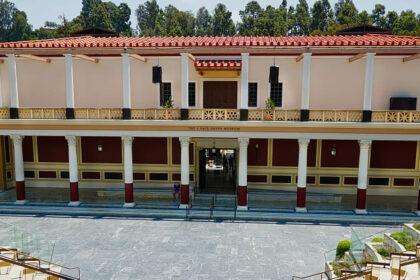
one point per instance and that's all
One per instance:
(152, 20)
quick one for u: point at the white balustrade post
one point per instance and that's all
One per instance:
(128, 171)
(243, 174)
(306, 86)
(73, 171)
(302, 170)
(362, 176)
(367, 99)
(185, 171)
(69, 86)
(126, 86)
(244, 87)
(19, 169)
(13, 87)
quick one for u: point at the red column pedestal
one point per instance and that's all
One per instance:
(361, 200)
(242, 195)
(20, 190)
(185, 194)
(74, 191)
(129, 194)
(301, 198)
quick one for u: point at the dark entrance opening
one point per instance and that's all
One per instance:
(217, 169)
(220, 94)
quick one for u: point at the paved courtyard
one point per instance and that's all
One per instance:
(106, 248)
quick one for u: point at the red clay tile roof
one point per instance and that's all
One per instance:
(236, 41)
(219, 65)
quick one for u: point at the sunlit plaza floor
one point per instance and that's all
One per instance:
(258, 200)
(124, 248)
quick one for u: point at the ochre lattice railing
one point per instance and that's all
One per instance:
(216, 114)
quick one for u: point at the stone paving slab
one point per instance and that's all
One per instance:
(131, 248)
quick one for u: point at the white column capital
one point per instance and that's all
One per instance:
(245, 55)
(127, 138)
(184, 54)
(10, 55)
(184, 140)
(307, 54)
(303, 142)
(17, 138)
(370, 54)
(243, 142)
(71, 140)
(67, 55)
(365, 144)
(125, 55)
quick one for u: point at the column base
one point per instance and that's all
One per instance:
(185, 194)
(74, 203)
(301, 198)
(129, 193)
(360, 211)
(301, 210)
(21, 202)
(129, 205)
(242, 196)
(242, 208)
(183, 206)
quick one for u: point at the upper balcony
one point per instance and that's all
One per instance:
(215, 115)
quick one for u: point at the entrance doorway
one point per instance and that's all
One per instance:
(217, 171)
(220, 94)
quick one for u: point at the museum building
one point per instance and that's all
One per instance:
(301, 114)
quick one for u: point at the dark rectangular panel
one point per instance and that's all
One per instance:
(91, 175)
(393, 154)
(113, 176)
(350, 180)
(29, 174)
(139, 176)
(47, 174)
(52, 149)
(64, 175)
(257, 178)
(281, 179)
(404, 182)
(310, 179)
(176, 177)
(220, 94)
(378, 181)
(328, 180)
(28, 149)
(7, 148)
(403, 103)
(158, 176)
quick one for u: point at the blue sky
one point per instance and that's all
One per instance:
(39, 11)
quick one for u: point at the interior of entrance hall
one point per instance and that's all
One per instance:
(217, 171)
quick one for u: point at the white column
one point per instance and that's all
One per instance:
(73, 171)
(362, 176)
(19, 169)
(306, 81)
(185, 171)
(69, 80)
(184, 80)
(14, 95)
(244, 80)
(126, 81)
(1, 92)
(243, 174)
(302, 169)
(128, 171)
(367, 100)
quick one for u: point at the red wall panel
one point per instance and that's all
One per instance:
(257, 157)
(347, 153)
(7, 148)
(150, 150)
(176, 151)
(28, 149)
(286, 152)
(257, 178)
(111, 150)
(393, 154)
(52, 149)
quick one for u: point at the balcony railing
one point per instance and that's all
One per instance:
(216, 114)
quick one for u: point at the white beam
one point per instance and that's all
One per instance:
(87, 58)
(69, 81)
(126, 81)
(34, 57)
(367, 99)
(244, 80)
(13, 86)
(357, 57)
(306, 81)
(410, 58)
(184, 80)
(138, 57)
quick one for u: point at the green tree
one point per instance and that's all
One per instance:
(95, 13)
(21, 30)
(147, 17)
(291, 22)
(250, 17)
(407, 24)
(303, 18)
(160, 29)
(203, 22)
(378, 15)
(122, 21)
(322, 15)
(7, 11)
(391, 18)
(365, 18)
(346, 12)
(274, 23)
(222, 21)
